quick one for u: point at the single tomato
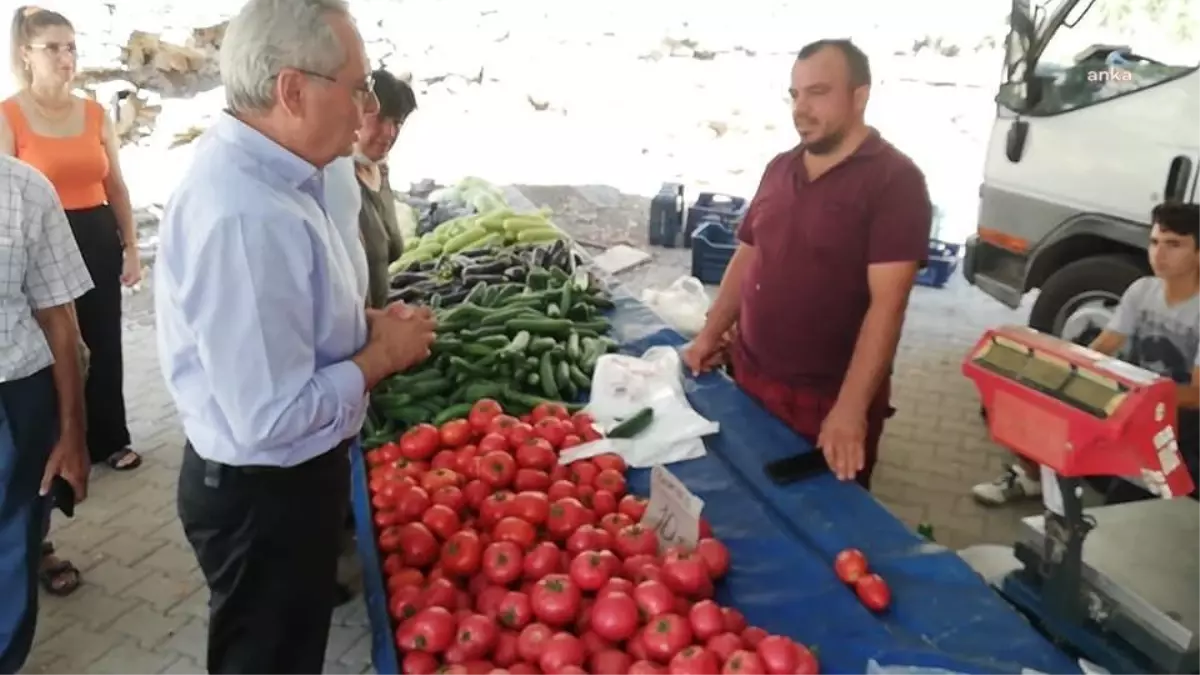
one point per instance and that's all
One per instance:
(694, 660)
(654, 599)
(873, 591)
(519, 433)
(560, 489)
(519, 532)
(501, 424)
(532, 507)
(613, 523)
(555, 600)
(551, 430)
(429, 630)
(724, 645)
(561, 653)
(604, 503)
(417, 544)
(570, 441)
(588, 538)
(614, 617)
(475, 492)
(531, 479)
(665, 635)
(502, 562)
(514, 610)
(532, 640)
(850, 565)
(493, 442)
(497, 469)
(715, 557)
(610, 480)
(779, 655)
(439, 478)
(462, 553)
(404, 602)
(582, 472)
(609, 661)
(537, 453)
(635, 539)
(441, 520)
(444, 459)
(420, 442)
(589, 571)
(412, 503)
(743, 662)
(706, 620)
(566, 515)
(494, 507)
(482, 413)
(541, 560)
(476, 636)
(549, 409)
(686, 574)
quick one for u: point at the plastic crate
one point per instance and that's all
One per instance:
(713, 206)
(943, 261)
(713, 245)
(666, 215)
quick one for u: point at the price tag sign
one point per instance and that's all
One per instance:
(673, 511)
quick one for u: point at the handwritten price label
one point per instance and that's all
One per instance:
(673, 511)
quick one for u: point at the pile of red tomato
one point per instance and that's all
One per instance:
(499, 559)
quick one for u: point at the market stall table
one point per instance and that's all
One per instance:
(782, 542)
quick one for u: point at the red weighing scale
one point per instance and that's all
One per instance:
(1080, 413)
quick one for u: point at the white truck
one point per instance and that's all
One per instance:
(1098, 120)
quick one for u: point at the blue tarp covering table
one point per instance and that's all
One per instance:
(782, 542)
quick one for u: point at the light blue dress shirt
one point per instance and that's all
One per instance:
(343, 198)
(257, 305)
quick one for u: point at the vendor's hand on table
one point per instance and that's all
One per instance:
(703, 354)
(843, 440)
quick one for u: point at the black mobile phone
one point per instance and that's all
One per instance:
(797, 467)
(63, 496)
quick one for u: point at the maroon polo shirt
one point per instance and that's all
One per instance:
(805, 292)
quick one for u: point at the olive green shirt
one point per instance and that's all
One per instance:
(381, 237)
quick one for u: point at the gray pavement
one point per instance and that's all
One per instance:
(141, 608)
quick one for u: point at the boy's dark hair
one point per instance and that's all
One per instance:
(1178, 218)
(856, 60)
(396, 99)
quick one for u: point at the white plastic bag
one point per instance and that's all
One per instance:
(623, 385)
(683, 304)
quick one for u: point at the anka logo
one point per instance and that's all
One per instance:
(1111, 74)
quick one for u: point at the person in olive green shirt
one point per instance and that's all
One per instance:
(377, 222)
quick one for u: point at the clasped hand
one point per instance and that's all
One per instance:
(404, 333)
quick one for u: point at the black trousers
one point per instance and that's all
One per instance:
(99, 312)
(28, 432)
(267, 542)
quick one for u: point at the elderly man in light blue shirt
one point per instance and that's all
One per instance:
(263, 337)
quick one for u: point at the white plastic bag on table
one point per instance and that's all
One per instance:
(683, 304)
(623, 385)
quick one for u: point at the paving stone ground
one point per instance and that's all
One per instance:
(141, 608)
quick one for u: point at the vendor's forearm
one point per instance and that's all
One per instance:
(1187, 396)
(724, 310)
(874, 351)
(59, 325)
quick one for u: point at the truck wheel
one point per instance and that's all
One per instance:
(1077, 301)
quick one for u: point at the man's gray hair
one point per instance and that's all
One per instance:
(267, 36)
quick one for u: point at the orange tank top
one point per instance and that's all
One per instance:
(75, 165)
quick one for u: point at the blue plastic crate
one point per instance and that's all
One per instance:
(943, 261)
(713, 245)
(713, 206)
(666, 215)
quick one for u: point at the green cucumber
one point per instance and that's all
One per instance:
(546, 375)
(456, 411)
(632, 426)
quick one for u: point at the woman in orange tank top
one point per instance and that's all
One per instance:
(72, 142)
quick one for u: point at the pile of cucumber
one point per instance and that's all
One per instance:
(519, 343)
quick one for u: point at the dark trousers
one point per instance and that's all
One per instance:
(267, 542)
(99, 313)
(804, 410)
(28, 431)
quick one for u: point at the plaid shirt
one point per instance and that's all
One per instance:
(40, 266)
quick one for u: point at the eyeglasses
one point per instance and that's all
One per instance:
(57, 48)
(364, 91)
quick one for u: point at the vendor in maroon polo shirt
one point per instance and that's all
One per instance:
(829, 250)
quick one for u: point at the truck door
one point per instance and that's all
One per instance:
(1114, 128)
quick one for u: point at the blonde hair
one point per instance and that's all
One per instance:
(27, 23)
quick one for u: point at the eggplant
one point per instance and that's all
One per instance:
(476, 253)
(410, 295)
(402, 279)
(492, 267)
(454, 298)
(472, 279)
(515, 273)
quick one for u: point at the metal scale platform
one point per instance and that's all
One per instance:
(1141, 576)
(1120, 583)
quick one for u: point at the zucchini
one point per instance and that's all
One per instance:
(456, 411)
(581, 380)
(632, 426)
(551, 327)
(546, 375)
(461, 241)
(501, 317)
(540, 234)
